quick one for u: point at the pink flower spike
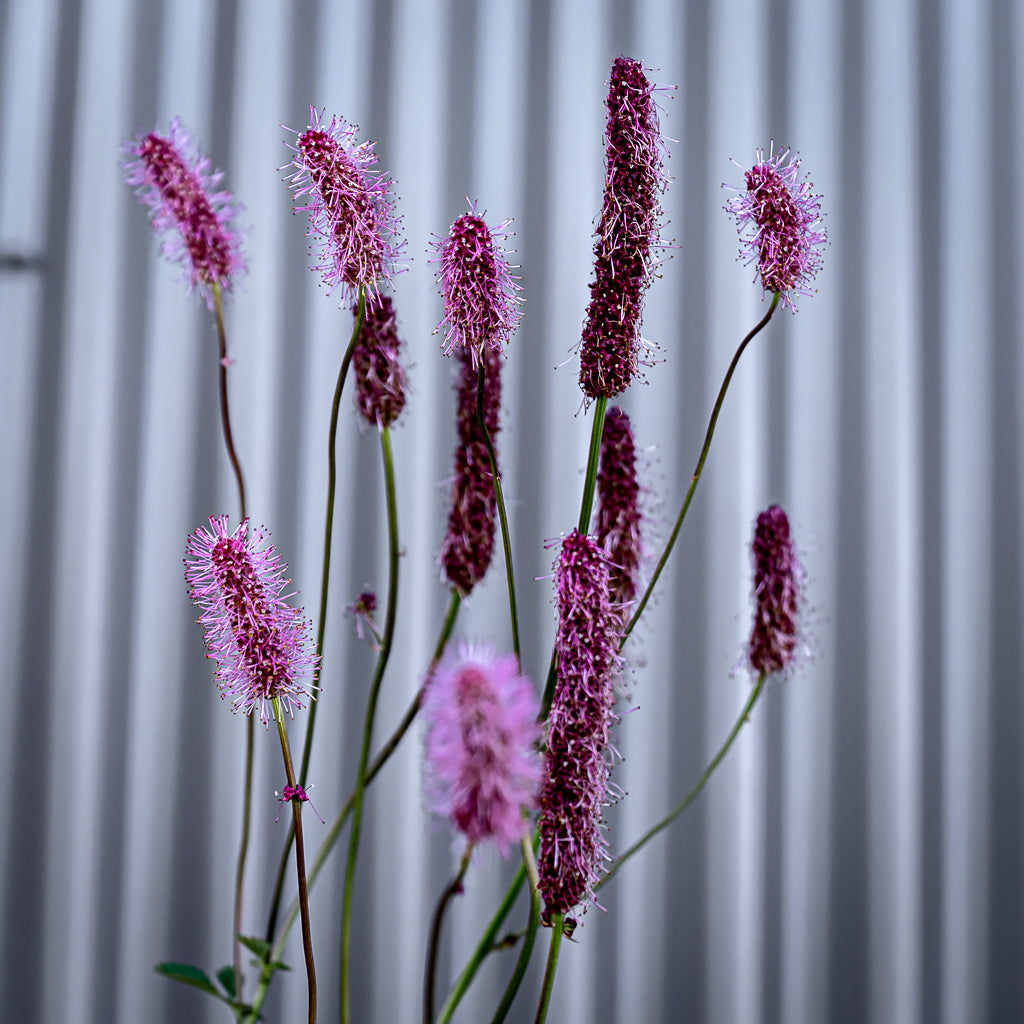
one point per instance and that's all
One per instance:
(782, 218)
(778, 594)
(351, 206)
(198, 222)
(290, 793)
(481, 767)
(377, 363)
(480, 300)
(263, 647)
(618, 512)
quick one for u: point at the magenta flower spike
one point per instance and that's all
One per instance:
(627, 235)
(480, 301)
(263, 647)
(781, 216)
(376, 359)
(574, 788)
(778, 584)
(197, 220)
(481, 767)
(351, 207)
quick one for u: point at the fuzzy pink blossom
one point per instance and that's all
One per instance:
(350, 204)
(781, 216)
(480, 301)
(197, 220)
(377, 363)
(777, 585)
(263, 647)
(481, 767)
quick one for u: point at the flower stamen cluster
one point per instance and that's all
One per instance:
(777, 583)
(376, 360)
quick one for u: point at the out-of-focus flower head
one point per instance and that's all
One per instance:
(362, 612)
(778, 593)
(351, 206)
(198, 221)
(376, 360)
(263, 647)
(481, 767)
(779, 220)
(628, 232)
(481, 307)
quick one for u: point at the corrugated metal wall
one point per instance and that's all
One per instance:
(860, 855)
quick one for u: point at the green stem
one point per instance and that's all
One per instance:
(549, 969)
(700, 466)
(371, 709)
(430, 968)
(225, 417)
(693, 794)
(505, 539)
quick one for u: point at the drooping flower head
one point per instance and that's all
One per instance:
(778, 217)
(351, 206)
(469, 543)
(575, 787)
(376, 360)
(618, 512)
(197, 220)
(263, 647)
(777, 586)
(628, 233)
(480, 301)
(481, 767)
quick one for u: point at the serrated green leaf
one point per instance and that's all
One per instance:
(188, 975)
(226, 976)
(258, 946)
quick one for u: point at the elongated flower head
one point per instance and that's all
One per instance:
(196, 219)
(351, 207)
(778, 217)
(380, 378)
(774, 636)
(628, 234)
(481, 768)
(469, 543)
(481, 307)
(574, 788)
(618, 512)
(263, 647)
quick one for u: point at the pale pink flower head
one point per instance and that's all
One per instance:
(196, 218)
(778, 594)
(481, 307)
(778, 217)
(263, 647)
(481, 767)
(351, 206)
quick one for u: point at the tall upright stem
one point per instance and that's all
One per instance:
(430, 968)
(549, 969)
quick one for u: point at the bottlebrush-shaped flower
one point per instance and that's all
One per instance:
(380, 378)
(469, 543)
(574, 788)
(262, 646)
(481, 767)
(618, 513)
(628, 231)
(781, 216)
(778, 579)
(480, 301)
(197, 220)
(351, 206)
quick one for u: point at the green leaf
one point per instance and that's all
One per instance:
(258, 946)
(189, 975)
(244, 1010)
(226, 976)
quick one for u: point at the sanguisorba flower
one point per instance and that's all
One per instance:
(481, 307)
(575, 788)
(351, 206)
(628, 233)
(778, 217)
(777, 587)
(263, 647)
(376, 360)
(481, 767)
(196, 218)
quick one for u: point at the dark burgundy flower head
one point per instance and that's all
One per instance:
(775, 633)
(380, 378)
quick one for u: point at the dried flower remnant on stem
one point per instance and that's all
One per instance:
(351, 206)
(777, 583)
(380, 377)
(362, 613)
(480, 301)
(575, 787)
(628, 232)
(198, 220)
(782, 218)
(481, 768)
(263, 647)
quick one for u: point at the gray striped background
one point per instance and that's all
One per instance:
(860, 856)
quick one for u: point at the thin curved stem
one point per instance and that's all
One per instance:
(549, 970)
(225, 418)
(371, 710)
(430, 967)
(694, 792)
(712, 423)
